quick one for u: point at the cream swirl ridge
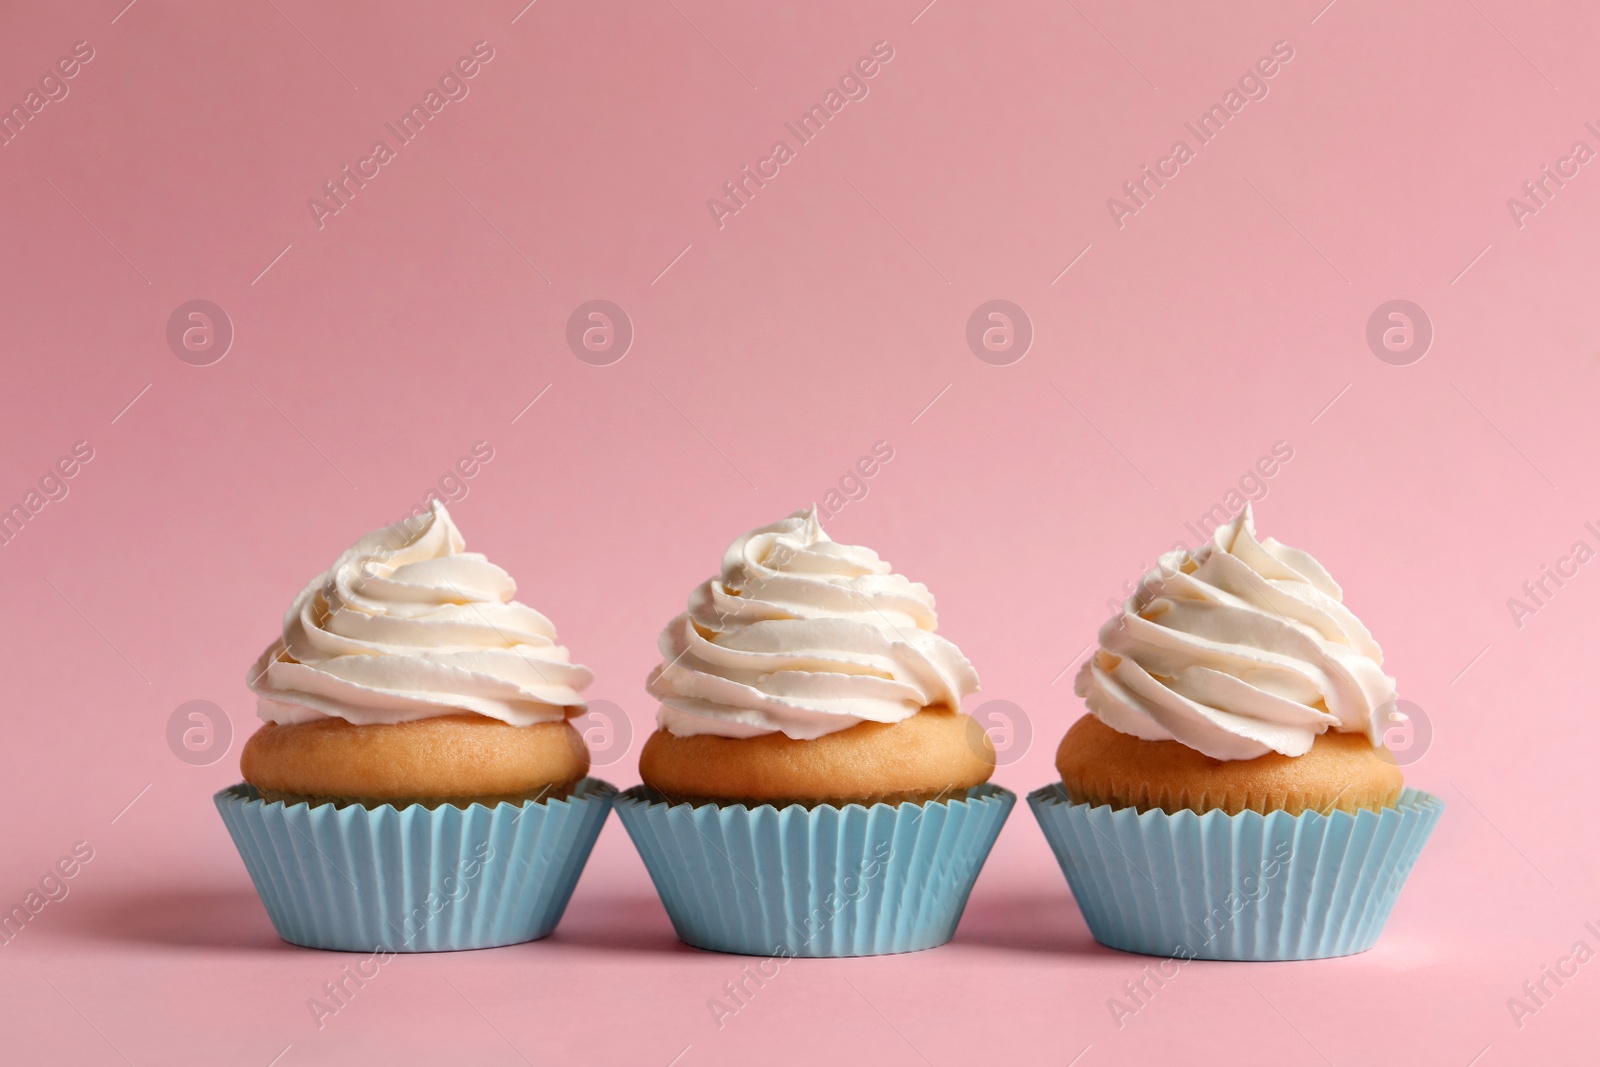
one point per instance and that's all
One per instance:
(803, 636)
(409, 625)
(1240, 648)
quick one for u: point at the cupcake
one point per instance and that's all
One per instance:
(1229, 795)
(813, 788)
(416, 784)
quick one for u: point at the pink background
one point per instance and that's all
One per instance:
(825, 316)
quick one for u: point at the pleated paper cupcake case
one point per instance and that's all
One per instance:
(1240, 887)
(412, 879)
(822, 881)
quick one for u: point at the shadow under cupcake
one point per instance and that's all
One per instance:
(1229, 796)
(417, 785)
(812, 789)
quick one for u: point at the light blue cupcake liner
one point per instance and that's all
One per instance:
(1235, 887)
(821, 881)
(414, 879)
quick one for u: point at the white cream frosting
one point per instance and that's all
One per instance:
(1237, 649)
(409, 625)
(803, 636)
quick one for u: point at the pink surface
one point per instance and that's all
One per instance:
(827, 314)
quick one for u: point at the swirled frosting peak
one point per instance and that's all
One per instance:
(408, 625)
(803, 636)
(1237, 649)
